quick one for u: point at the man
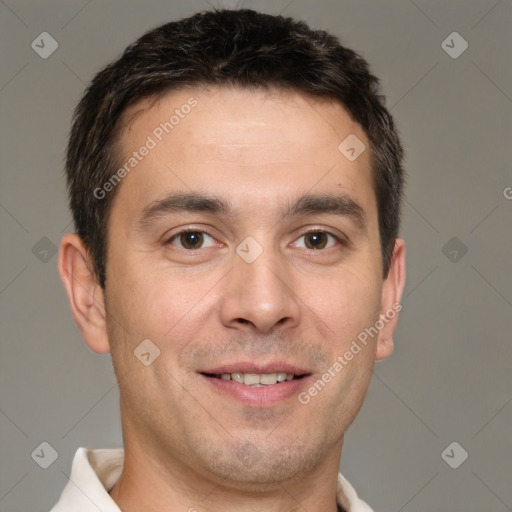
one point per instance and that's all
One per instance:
(236, 185)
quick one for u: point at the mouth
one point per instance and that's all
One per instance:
(256, 380)
(253, 385)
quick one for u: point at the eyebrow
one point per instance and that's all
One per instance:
(340, 205)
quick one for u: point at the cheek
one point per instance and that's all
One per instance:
(347, 302)
(159, 305)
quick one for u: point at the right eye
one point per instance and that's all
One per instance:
(190, 239)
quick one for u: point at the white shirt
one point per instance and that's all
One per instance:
(95, 472)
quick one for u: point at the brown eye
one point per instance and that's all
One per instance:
(190, 240)
(316, 240)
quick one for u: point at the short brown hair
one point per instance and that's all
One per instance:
(240, 48)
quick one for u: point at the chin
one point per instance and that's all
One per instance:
(247, 466)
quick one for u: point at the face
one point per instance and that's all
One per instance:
(244, 244)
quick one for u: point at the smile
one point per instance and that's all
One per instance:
(255, 379)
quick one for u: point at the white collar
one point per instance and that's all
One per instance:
(95, 472)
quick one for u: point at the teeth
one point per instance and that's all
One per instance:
(257, 380)
(268, 378)
(251, 378)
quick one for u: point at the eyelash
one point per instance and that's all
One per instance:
(338, 239)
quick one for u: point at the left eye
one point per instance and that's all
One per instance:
(317, 240)
(191, 239)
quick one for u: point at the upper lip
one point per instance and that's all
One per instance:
(252, 367)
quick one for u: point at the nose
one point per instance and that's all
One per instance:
(260, 295)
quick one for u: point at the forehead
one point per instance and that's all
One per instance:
(254, 145)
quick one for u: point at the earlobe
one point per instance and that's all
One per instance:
(392, 290)
(384, 348)
(85, 295)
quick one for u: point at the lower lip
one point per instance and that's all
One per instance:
(262, 396)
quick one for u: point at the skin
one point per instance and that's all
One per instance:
(194, 447)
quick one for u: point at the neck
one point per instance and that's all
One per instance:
(152, 480)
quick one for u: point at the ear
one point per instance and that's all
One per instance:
(390, 303)
(85, 295)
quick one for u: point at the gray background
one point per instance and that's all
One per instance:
(449, 378)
